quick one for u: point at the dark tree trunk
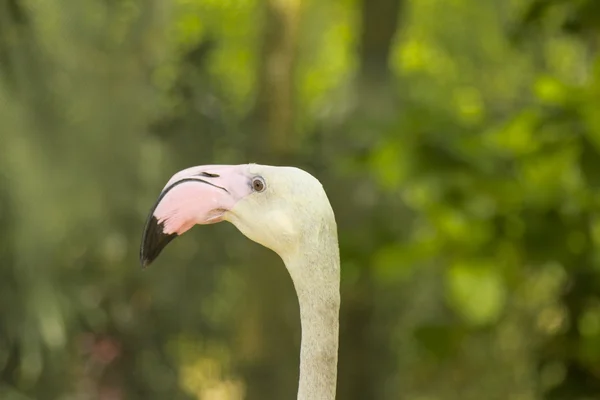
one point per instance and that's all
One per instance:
(379, 27)
(270, 318)
(273, 114)
(362, 361)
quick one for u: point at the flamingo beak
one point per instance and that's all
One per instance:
(198, 195)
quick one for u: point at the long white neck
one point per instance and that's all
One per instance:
(315, 270)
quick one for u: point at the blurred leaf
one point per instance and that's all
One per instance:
(391, 164)
(517, 137)
(469, 103)
(550, 90)
(476, 291)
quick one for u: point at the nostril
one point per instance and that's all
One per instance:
(209, 175)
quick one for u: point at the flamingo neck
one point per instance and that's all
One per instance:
(315, 271)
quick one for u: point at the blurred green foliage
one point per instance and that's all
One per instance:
(459, 144)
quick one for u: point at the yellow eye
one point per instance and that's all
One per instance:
(258, 184)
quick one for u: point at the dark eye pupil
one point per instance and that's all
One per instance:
(258, 185)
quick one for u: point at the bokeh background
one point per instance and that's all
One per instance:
(458, 141)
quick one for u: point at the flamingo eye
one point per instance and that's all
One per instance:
(258, 184)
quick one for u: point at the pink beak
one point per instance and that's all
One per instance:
(197, 195)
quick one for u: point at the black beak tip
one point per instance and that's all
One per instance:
(154, 240)
(144, 262)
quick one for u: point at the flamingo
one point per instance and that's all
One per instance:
(284, 209)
